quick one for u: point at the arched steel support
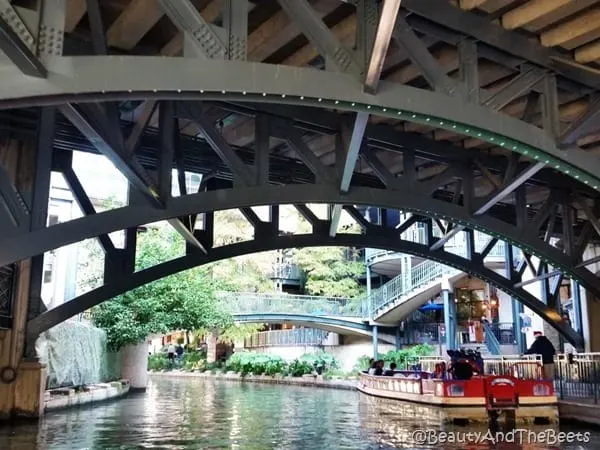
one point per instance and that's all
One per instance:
(39, 241)
(322, 238)
(106, 78)
(314, 321)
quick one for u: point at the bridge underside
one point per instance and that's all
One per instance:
(432, 109)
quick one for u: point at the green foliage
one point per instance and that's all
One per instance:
(193, 361)
(255, 363)
(263, 363)
(363, 363)
(328, 272)
(184, 301)
(157, 361)
(408, 355)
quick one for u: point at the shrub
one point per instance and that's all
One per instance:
(362, 364)
(256, 363)
(157, 361)
(193, 361)
(407, 356)
(297, 368)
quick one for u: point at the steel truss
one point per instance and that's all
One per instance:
(456, 189)
(268, 238)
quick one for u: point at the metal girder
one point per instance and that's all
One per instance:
(485, 31)
(133, 140)
(19, 53)
(86, 206)
(127, 166)
(382, 172)
(469, 69)
(387, 20)
(39, 241)
(167, 127)
(352, 145)
(276, 241)
(421, 57)
(294, 140)
(586, 124)
(262, 148)
(197, 31)
(589, 213)
(109, 78)
(240, 170)
(15, 206)
(235, 21)
(96, 27)
(516, 88)
(509, 187)
(303, 14)
(496, 197)
(550, 113)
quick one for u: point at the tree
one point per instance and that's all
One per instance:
(329, 272)
(184, 301)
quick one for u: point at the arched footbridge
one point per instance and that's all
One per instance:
(429, 108)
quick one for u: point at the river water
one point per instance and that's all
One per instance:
(208, 414)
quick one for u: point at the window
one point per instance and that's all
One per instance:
(470, 304)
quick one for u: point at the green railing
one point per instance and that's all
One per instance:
(297, 336)
(256, 303)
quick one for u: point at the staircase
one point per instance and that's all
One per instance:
(405, 286)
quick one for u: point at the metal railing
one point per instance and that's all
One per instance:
(491, 342)
(297, 336)
(577, 377)
(287, 272)
(503, 331)
(399, 288)
(256, 303)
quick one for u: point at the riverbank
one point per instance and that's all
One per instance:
(305, 380)
(70, 397)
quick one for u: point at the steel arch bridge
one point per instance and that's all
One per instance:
(506, 147)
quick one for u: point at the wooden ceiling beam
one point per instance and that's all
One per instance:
(278, 30)
(575, 32)
(531, 11)
(133, 23)
(588, 53)
(343, 30)
(471, 4)
(76, 9)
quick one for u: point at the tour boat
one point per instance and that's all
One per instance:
(524, 399)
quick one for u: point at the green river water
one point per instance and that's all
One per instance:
(209, 414)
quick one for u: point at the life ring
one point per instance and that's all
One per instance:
(8, 374)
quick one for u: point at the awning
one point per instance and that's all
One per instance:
(432, 307)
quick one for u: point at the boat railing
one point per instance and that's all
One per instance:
(577, 377)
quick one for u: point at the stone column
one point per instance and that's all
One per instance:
(211, 346)
(134, 365)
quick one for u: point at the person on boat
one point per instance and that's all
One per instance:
(371, 370)
(379, 368)
(543, 346)
(390, 372)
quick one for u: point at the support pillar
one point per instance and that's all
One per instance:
(26, 165)
(375, 342)
(134, 365)
(449, 314)
(398, 340)
(211, 347)
(517, 310)
(576, 299)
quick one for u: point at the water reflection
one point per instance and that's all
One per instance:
(204, 414)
